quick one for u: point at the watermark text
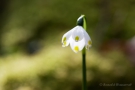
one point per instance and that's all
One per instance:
(115, 84)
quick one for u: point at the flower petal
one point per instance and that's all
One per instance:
(88, 42)
(66, 38)
(77, 33)
(77, 46)
(66, 43)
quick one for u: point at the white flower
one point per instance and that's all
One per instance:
(77, 38)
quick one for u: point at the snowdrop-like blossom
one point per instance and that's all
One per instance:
(78, 38)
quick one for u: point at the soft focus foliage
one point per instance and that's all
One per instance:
(31, 56)
(58, 69)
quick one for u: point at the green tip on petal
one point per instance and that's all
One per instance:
(76, 48)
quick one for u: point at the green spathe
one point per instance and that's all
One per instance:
(81, 21)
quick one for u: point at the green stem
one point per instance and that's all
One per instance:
(84, 86)
(81, 21)
(84, 59)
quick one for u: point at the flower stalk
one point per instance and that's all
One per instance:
(84, 84)
(82, 22)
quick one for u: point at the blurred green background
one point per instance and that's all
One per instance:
(31, 55)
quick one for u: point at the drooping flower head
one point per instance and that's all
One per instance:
(77, 37)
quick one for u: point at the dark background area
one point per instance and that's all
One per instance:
(32, 57)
